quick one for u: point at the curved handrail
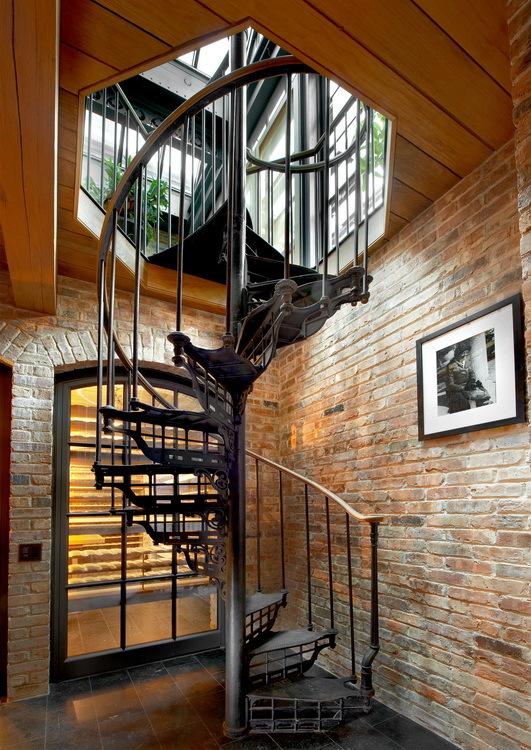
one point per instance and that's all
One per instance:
(316, 486)
(269, 68)
(278, 165)
(263, 69)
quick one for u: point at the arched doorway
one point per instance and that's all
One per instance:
(119, 599)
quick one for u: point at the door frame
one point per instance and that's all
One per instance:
(62, 667)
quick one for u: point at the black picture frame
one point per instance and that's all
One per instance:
(515, 303)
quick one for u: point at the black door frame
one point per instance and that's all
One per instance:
(62, 667)
(6, 390)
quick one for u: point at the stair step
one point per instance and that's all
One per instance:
(307, 689)
(257, 601)
(191, 420)
(307, 704)
(291, 639)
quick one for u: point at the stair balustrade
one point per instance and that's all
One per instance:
(183, 477)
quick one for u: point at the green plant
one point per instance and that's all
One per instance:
(155, 199)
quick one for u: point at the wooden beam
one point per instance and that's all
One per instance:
(28, 141)
(411, 44)
(327, 47)
(406, 202)
(419, 171)
(77, 69)
(480, 28)
(106, 37)
(171, 21)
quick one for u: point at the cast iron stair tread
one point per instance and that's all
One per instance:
(307, 689)
(162, 417)
(286, 639)
(259, 600)
(231, 371)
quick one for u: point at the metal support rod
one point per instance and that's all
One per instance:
(203, 164)
(136, 294)
(258, 530)
(350, 602)
(308, 558)
(180, 244)
(325, 184)
(357, 183)
(367, 159)
(282, 541)
(330, 574)
(366, 687)
(110, 321)
(236, 210)
(287, 181)
(235, 724)
(99, 387)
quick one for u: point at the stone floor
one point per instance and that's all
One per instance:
(176, 704)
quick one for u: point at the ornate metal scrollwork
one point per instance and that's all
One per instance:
(218, 480)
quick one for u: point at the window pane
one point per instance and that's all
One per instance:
(93, 620)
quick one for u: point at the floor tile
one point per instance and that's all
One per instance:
(253, 742)
(305, 741)
(379, 713)
(22, 721)
(213, 661)
(412, 736)
(362, 736)
(86, 738)
(128, 731)
(193, 736)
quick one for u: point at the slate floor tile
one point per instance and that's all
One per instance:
(412, 736)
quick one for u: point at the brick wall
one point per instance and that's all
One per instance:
(38, 347)
(453, 580)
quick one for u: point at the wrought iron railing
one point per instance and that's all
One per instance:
(327, 190)
(318, 524)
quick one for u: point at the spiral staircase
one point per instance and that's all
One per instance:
(189, 488)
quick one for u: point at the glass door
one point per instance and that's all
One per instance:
(119, 598)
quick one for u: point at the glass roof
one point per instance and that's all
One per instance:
(207, 59)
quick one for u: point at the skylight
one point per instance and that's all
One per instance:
(207, 59)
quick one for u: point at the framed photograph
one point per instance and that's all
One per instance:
(470, 375)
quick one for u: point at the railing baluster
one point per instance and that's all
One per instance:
(159, 169)
(115, 143)
(110, 322)
(89, 141)
(330, 573)
(258, 529)
(366, 687)
(308, 557)
(180, 245)
(326, 188)
(102, 164)
(287, 182)
(282, 541)
(170, 166)
(99, 387)
(194, 177)
(350, 602)
(367, 158)
(203, 163)
(270, 206)
(214, 166)
(336, 229)
(357, 184)
(136, 295)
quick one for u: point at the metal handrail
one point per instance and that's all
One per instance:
(319, 487)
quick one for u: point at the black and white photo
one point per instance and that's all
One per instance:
(470, 373)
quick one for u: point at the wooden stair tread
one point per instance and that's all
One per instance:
(285, 639)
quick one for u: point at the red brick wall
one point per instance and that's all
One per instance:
(452, 577)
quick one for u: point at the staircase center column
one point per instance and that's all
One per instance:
(235, 724)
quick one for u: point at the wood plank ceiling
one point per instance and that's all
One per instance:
(439, 67)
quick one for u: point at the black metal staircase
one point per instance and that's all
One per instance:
(182, 476)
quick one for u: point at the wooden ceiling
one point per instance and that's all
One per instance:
(439, 68)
